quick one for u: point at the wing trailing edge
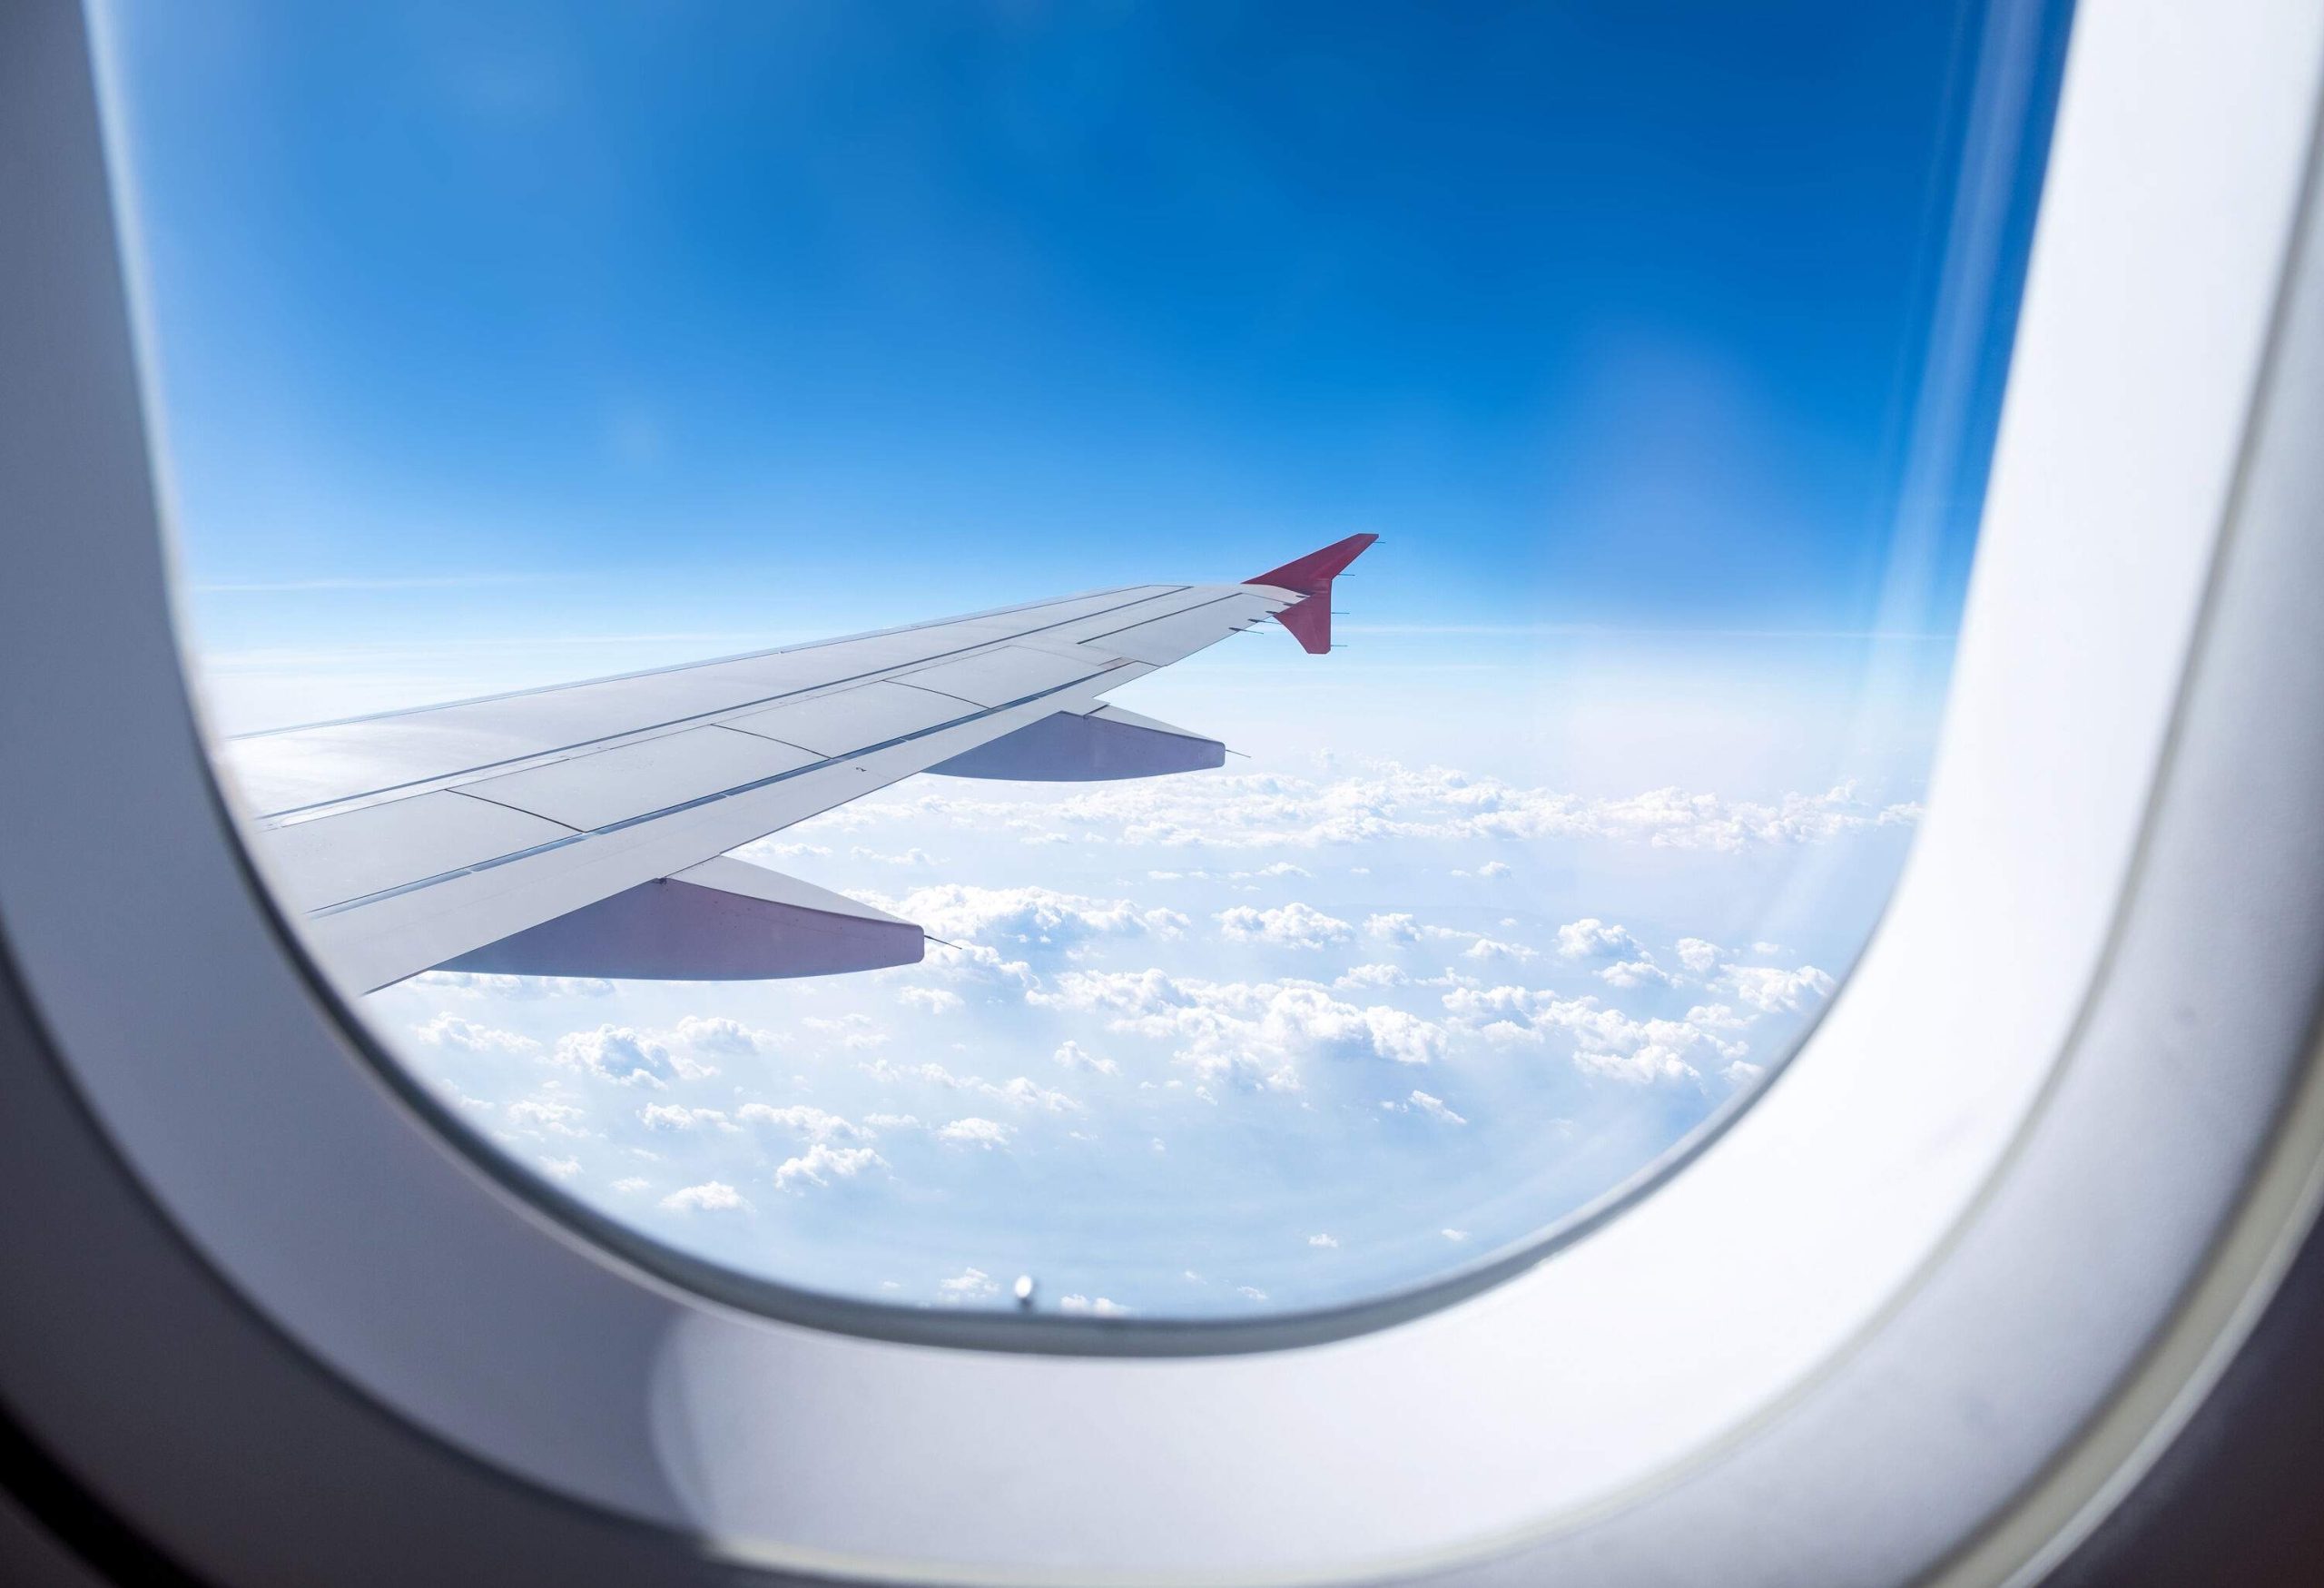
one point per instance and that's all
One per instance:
(1310, 620)
(1092, 746)
(724, 919)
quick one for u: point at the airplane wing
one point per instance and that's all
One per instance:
(581, 830)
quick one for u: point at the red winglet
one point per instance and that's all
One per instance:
(1310, 621)
(1312, 575)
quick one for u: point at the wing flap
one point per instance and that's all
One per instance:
(724, 919)
(1095, 747)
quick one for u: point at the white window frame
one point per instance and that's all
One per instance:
(1922, 1307)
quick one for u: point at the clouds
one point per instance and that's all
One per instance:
(1603, 1041)
(1591, 939)
(619, 1054)
(803, 1120)
(1030, 916)
(1698, 956)
(1771, 990)
(1614, 1044)
(976, 1132)
(1426, 1105)
(1397, 926)
(1390, 801)
(968, 1285)
(1298, 1032)
(723, 1037)
(1293, 926)
(463, 1036)
(824, 1163)
(1094, 1307)
(1022, 1092)
(1252, 1035)
(711, 1196)
(1072, 1055)
(628, 1057)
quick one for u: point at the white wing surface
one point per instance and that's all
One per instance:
(575, 830)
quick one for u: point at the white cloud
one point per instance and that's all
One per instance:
(1496, 868)
(712, 1197)
(823, 1163)
(1422, 1102)
(1491, 951)
(1297, 926)
(857, 1032)
(548, 1116)
(1097, 1306)
(1027, 1093)
(1032, 916)
(1698, 956)
(1455, 1236)
(804, 1118)
(560, 1168)
(1072, 1055)
(1253, 1034)
(1023, 1092)
(668, 1116)
(451, 1032)
(910, 857)
(726, 1038)
(1324, 1241)
(968, 1285)
(1638, 972)
(1273, 810)
(1605, 1041)
(1591, 939)
(619, 1054)
(935, 999)
(976, 1132)
(1396, 927)
(1373, 976)
(1773, 990)
(632, 1185)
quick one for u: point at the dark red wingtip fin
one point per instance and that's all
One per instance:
(1312, 575)
(1310, 621)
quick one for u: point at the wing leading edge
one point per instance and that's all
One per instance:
(579, 830)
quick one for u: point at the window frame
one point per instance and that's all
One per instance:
(1830, 1349)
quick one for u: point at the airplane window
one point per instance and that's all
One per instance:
(1172, 663)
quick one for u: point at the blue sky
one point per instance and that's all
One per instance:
(503, 344)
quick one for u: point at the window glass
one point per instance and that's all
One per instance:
(503, 346)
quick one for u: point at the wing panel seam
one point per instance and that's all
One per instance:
(834, 684)
(684, 805)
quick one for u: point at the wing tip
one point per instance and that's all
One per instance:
(1312, 575)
